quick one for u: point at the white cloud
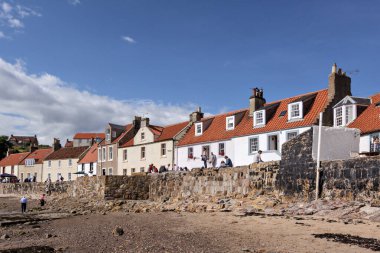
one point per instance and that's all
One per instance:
(15, 23)
(49, 107)
(128, 39)
(13, 16)
(74, 2)
(2, 35)
(6, 7)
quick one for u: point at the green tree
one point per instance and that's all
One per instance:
(4, 146)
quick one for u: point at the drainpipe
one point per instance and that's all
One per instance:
(318, 155)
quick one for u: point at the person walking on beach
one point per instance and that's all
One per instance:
(23, 201)
(42, 200)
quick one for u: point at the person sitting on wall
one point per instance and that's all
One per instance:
(257, 157)
(228, 162)
(162, 169)
(376, 144)
(222, 164)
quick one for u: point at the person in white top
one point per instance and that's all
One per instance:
(23, 201)
(257, 157)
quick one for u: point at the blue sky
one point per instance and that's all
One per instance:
(207, 53)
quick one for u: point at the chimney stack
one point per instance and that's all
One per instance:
(56, 144)
(145, 122)
(339, 84)
(197, 115)
(33, 147)
(137, 123)
(256, 101)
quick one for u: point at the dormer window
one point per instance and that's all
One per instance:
(295, 111)
(113, 134)
(198, 129)
(108, 134)
(230, 123)
(344, 115)
(259, 118)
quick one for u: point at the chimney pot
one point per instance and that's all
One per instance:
(257, 100)
(334, 67)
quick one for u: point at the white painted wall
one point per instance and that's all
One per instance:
(337, 143)
(237, 149)
(241, 146)
(183, 160)
(87, 169)
(365, 141)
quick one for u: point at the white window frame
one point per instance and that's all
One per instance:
(110, 153)
(230, 123)
(291, 132)
(99, 154)
(70, 162)
(108, 134)
(104, 154)
(250, 151)
(347, 120)
(255, 118)
(142, 169)
(49, 164)
(291, 111)
(336, 117)
(198, 129)
(133, 170)
(113, 134)
(125, 172)
(163, 149)
(125, 155)
(110, 171)
(142, 135)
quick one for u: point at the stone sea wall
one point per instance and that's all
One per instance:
(296, 177)
(353, 179)
(238, 182)
(33, 189)
(134, 187)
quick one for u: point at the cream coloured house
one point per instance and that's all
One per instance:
(151, 145)
(63, 162)
(32, 165)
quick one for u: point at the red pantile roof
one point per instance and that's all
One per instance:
(39, 155)
(89, 135)
(69, 144)
(217, 129)
(13, 159)
(66, 153)
(162, 133)
(91, 155)
(169, 132)
(369, 120)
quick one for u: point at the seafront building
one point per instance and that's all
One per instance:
(239, 134)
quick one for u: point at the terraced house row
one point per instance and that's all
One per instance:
(240, 134)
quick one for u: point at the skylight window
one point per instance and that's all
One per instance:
(282, 114)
